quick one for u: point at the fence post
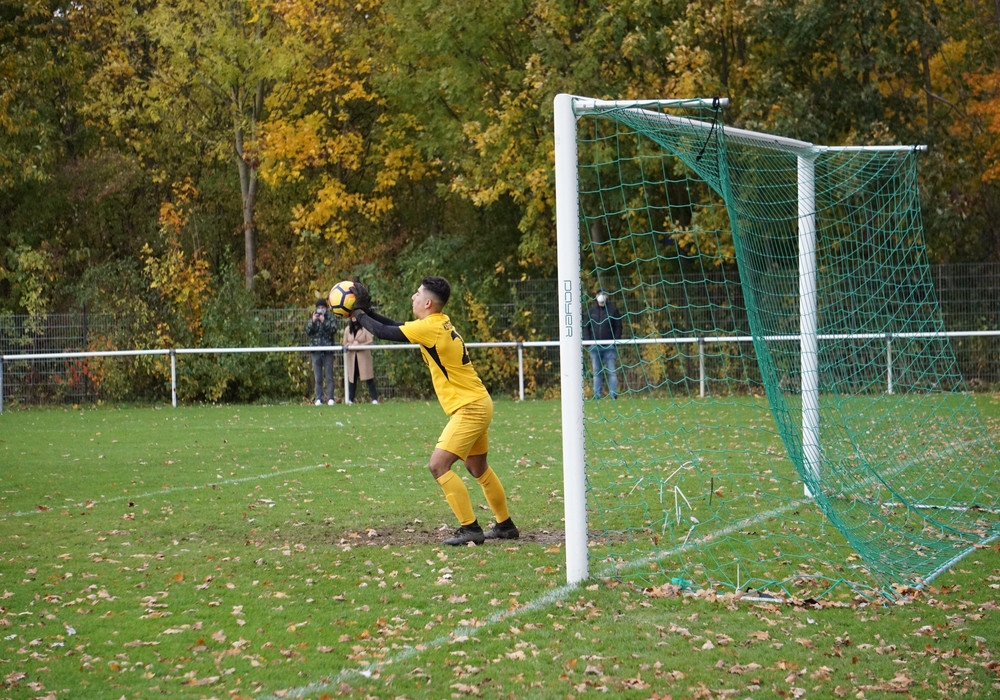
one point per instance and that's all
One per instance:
(347, 379)
(173, 377)
(1, 383)
(888, 362)
(701, 367)
(520, 368)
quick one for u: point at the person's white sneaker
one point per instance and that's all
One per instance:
(349, 403)
(374, 402)
(318, 402)
(330, 402)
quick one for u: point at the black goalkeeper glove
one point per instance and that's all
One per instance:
(362, 298)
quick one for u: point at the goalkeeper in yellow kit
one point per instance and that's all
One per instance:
(462, 396)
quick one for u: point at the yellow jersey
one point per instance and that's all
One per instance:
(456, 382)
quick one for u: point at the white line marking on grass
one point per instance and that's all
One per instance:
(172, 489)
(457, 635)
(563, 591)
(556, 594)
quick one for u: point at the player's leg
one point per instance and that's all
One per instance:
(451, 483)
(496, 496)
(490, 483)
(477, 464)
(457, 497)
(465, 430)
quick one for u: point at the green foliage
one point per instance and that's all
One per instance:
(230, 322)
(88, 212)
(144, 318)
(122, 290)
(30, 272)
(42, 64)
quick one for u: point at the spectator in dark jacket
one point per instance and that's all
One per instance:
(321, 329)
(603, 323)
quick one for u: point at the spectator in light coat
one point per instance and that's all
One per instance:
(359, 362)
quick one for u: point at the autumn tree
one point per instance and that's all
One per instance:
(187, 81)
(482, 77)
(458, 72)
(970, 92)
(68, 202)
(326, 144)
(40, 67)
(396, 135)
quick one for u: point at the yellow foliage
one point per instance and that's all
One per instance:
(987, 108)
(182, 279)
(32, 274)
(317, 138)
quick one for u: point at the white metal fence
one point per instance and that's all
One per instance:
(699, 376)
(173, 353)
(83, 357)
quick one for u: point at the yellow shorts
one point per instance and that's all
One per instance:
(468, 429)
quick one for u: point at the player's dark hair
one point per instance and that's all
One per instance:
(439, 287)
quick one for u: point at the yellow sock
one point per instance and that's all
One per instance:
(458, 497)
(495, 495)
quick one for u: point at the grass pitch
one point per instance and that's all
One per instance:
(294, 551)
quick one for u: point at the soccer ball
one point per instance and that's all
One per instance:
(342, 299)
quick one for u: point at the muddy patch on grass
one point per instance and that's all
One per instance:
(395, 537)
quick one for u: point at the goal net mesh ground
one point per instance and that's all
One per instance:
(700, 474)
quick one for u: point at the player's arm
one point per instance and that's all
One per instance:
(380, 326)
(377, 324)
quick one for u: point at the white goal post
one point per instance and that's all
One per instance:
(566, 110)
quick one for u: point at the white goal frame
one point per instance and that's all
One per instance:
(566, 110)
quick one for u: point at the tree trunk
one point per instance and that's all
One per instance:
(246, 163)
(248, 192)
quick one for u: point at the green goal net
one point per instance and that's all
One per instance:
(790, 419)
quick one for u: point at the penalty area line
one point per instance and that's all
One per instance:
(458, 635)
(463, 632)
(174, 489)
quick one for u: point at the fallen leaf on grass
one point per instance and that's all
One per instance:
(899, 684)
(821, 674)
(14, 678)
(634, 684)
(208, 680)
(466, 688)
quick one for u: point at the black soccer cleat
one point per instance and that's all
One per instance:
(506, 530)
(467, 533)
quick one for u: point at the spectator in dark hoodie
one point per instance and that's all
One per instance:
(321, 329)
(603, 323)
